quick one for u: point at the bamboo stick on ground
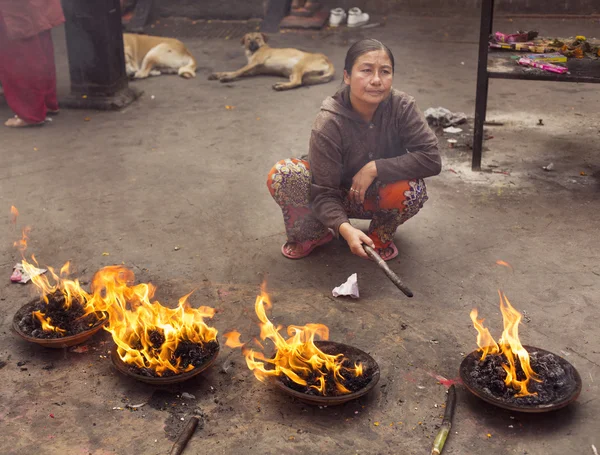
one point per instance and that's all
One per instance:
(391, 275)
(184, 437)
(440, 439)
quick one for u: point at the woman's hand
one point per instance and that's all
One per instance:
(356, 238)
(361, 182)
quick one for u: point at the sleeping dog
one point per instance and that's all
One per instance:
(147, 55)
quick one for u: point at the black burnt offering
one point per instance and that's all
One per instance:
(66, 321)
(199, 356)
(357, 385)
(66, 326)
(559, 382)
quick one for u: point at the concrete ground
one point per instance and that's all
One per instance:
(178, 169)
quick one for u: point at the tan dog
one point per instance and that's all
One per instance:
(154, 55)
(302, 68)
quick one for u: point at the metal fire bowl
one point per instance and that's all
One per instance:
(356, 355)
(122, 367)
(575, 381)
(56, 343)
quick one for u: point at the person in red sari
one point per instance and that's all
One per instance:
(27, 69)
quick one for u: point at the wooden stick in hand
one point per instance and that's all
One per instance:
(391, 275)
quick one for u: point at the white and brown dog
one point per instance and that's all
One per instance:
(147, 55)
(302, 68)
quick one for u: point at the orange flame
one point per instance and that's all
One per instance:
(21, 244)
(45, 321)
(509, 345)
(297, 357)
(146, 333)
(505, 264)
(14, 214)
(69, 290)
(233, 339)
(485, 341)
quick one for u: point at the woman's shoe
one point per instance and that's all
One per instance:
(336, 17)
(305, 247)
(356, 17)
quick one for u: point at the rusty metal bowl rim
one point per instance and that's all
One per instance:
(340, 399)
(58, 343)
(123, 368)
(533, 409)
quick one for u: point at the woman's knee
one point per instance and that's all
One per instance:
(401, 194)
(275, 171)
(289, 176)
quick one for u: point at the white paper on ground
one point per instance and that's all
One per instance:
(350, 287)
(19, 274)
(452, 130)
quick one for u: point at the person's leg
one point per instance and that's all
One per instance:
(393, 205)
(51, 98)
(22, 72)
(289, 184)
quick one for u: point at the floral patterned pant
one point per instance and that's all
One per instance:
(386, 205)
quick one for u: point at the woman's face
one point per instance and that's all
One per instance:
(371, 78)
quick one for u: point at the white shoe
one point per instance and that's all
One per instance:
(336, 17)
(356, 17)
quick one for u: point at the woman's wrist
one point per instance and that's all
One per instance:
(372, 169)
(345, 228)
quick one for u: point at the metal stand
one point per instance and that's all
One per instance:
(503, 67)
(96, 57)
(487, 13)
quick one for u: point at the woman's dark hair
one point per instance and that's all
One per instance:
(362, 47)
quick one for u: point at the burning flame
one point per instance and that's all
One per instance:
(70, 289)
(46, 323)
(14, 214)
(146, 333)
(509, 345)
(505, 264)
(21, 244)
(297, 357)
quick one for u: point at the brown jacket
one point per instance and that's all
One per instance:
(398, 139)
(27, 18)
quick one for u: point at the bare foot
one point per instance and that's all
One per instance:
(385, 253)
(298, 250)
(17, 122)
(389, 252)
(292, 248)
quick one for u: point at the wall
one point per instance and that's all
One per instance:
(245, 9)
(470, 7)
(211, 9)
